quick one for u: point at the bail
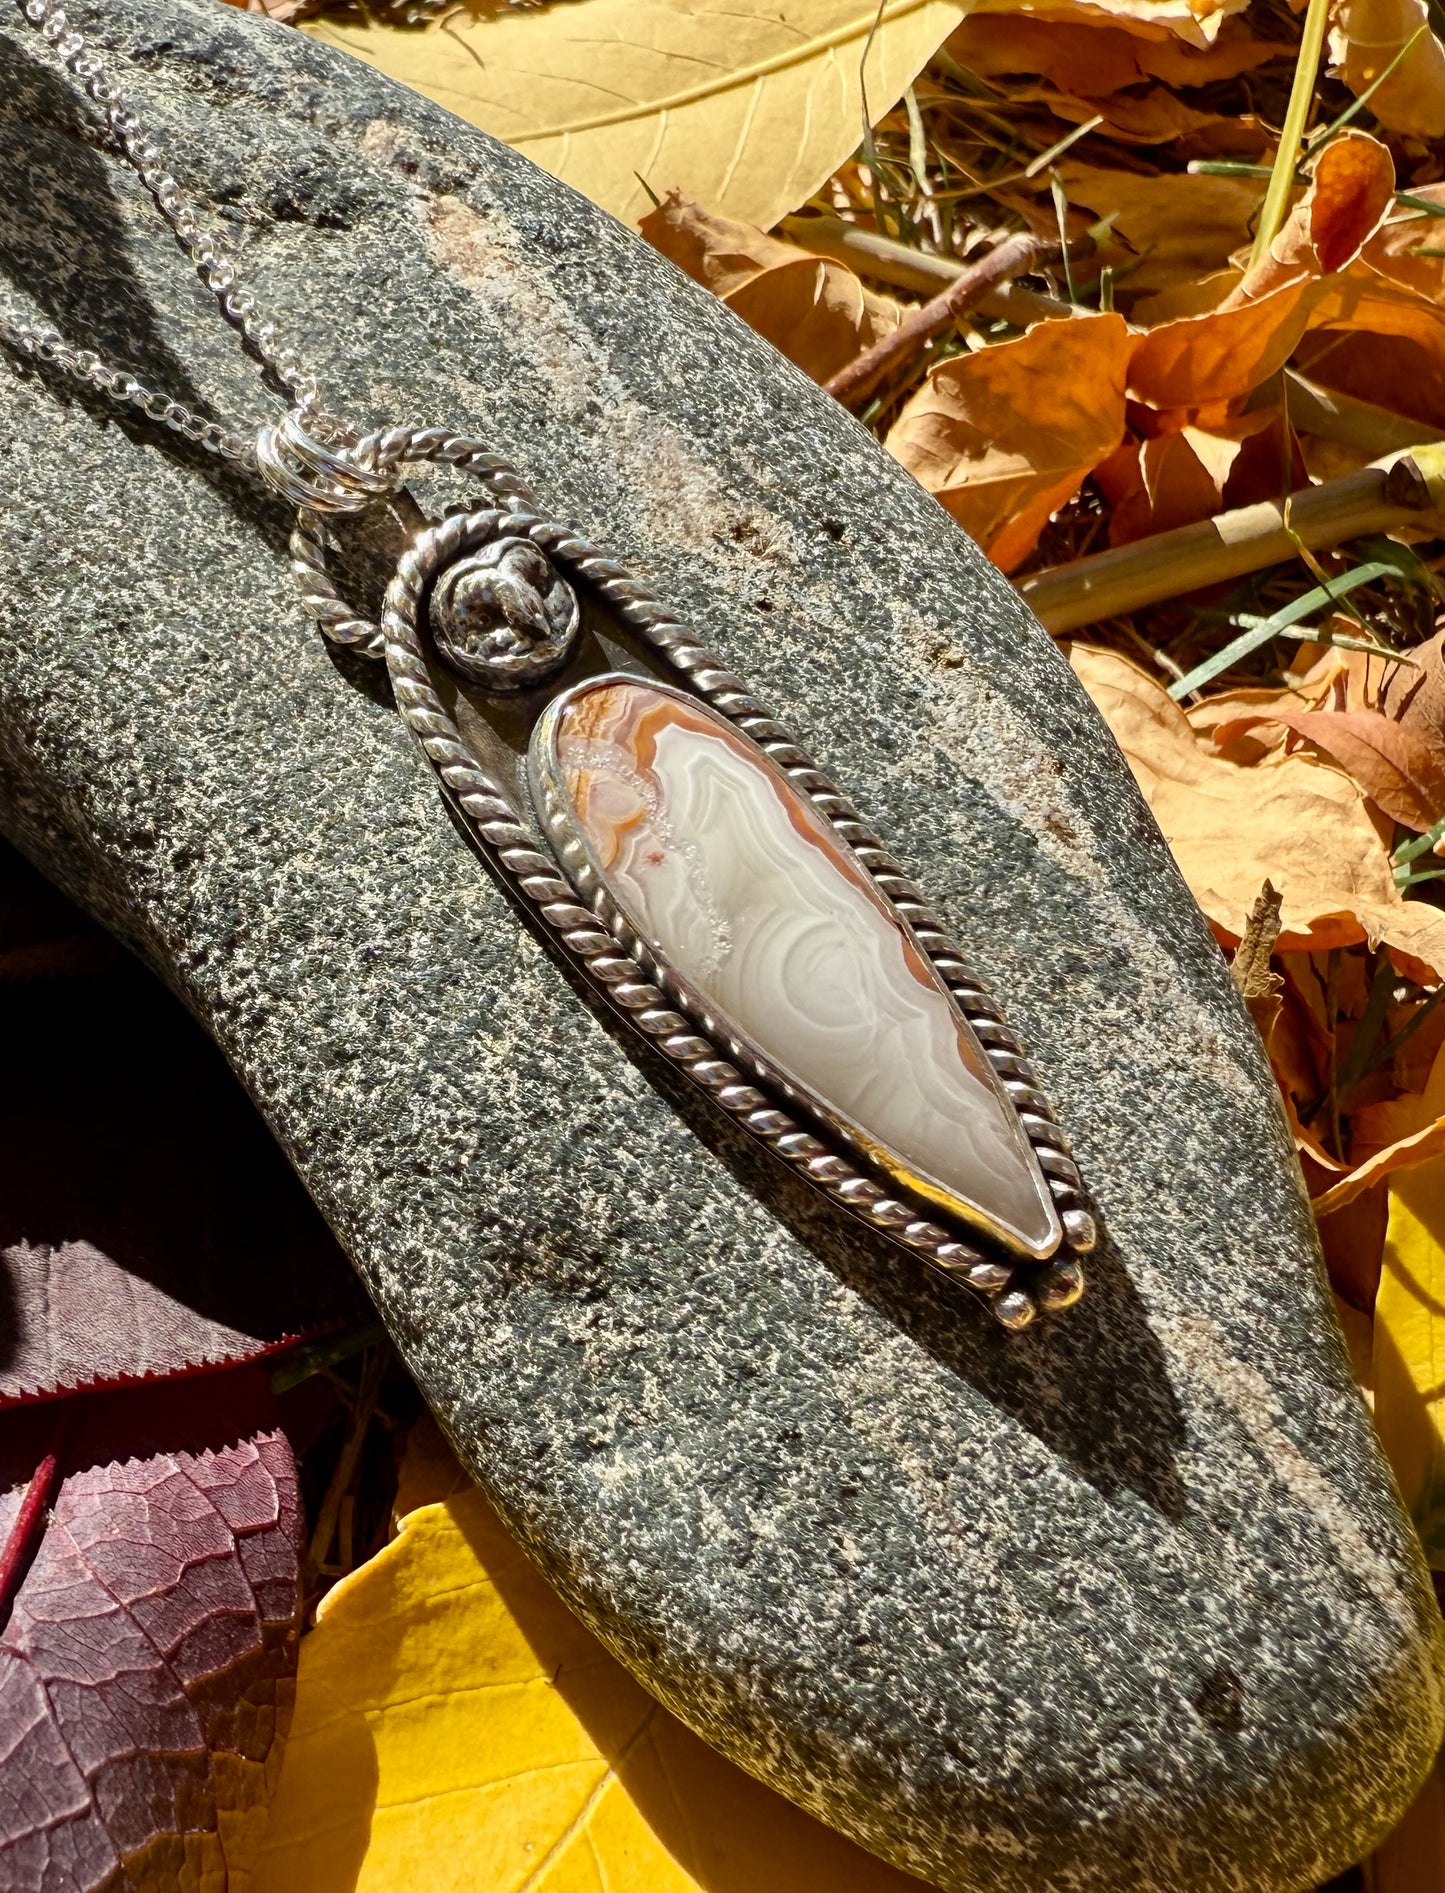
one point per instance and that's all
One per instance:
(307, 473)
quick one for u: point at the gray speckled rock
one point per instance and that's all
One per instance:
(1127, 1602)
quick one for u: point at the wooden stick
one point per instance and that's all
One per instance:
(1015, 256)
(1109, 584)
(888, 261)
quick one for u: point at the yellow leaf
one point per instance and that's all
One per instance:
(812, 309)
(458, 1730)
(745, 105)
(1290, 818)
(1004, 436)
(1367, 35)
(1409, 1362)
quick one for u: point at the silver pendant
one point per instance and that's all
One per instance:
(673, 840)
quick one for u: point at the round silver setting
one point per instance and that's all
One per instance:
(503, 616)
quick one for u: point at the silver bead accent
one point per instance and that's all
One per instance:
(1059, 1287)
(308, 472)
(1013, 1310)
(1081, 1232)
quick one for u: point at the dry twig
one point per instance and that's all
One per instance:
(1018, 255)
(902, 267)
(1127, 578)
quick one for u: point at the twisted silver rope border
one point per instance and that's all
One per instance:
(619, 973)
(381, 453)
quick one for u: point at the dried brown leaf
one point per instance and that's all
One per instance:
(1353, 1239)
(1193, 23)
(812, 309)
(1260, 987)
(1348, 317)
(1153, 117)
(1003, 436)
(1417, 1148)
(1394, 250)
(1094, 61)
(1415, 698)
(1367, 35)
(1183, 228)
(1302, 824)
(1398, 768)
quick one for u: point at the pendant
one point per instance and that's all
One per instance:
(669, 836)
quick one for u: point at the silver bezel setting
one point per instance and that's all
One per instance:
(553, 807)
(1013, 1290)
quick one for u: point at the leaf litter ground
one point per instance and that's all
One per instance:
(1165, 364)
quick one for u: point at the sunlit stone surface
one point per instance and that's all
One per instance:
(744, 888)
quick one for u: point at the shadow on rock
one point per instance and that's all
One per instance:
(65, 245)
(1091, 1384)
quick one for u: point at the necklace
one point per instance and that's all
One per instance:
(649, 816)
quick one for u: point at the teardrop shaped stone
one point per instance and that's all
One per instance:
(778, 932)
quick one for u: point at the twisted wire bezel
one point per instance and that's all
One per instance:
(616, 967)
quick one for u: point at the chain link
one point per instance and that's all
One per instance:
(214, 266)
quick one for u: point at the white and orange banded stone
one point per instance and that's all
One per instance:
(742, 887)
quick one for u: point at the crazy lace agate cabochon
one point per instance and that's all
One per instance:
(745, 889)
(1125, 1604)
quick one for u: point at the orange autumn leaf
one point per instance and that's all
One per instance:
(1218, 356)
(1396, 767)
(1154, 485)
(1394, 252)
(1195, 23)
(1003, 436)
(813, 310)
(1420, 1147)
(1350, 194)
(1134, 118)
(1399, 1123)
(1094, 61)
(1355, 309)
(1369, 34)
(1221, 355)
(1291, 819)
(1412, 1855)
(1172, 479)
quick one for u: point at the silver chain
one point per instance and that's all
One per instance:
(216, 270)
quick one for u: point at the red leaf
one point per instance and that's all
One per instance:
(149, 1225)
(140, 1665)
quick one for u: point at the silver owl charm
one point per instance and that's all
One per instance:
(504, 616)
